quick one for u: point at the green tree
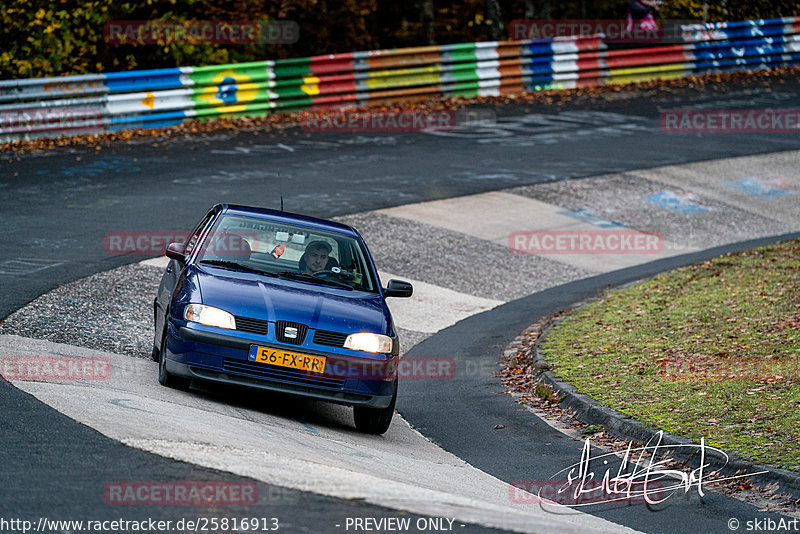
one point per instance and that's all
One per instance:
(58, 37)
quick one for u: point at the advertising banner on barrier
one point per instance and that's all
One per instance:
(546, 55)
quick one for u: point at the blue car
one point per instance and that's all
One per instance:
(281, 302)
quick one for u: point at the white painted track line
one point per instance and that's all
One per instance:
(495, 216)
(400, 470)
(434, 308)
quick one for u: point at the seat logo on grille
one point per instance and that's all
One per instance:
(290, 332)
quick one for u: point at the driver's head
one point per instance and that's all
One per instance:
(316, 256)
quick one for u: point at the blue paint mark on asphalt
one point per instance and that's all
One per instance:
(757, 187)
(309, 427)
(681, 203)
(590, 216)
(151, 120)
(121, 404)
(102, 166)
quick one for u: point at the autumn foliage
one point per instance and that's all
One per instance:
(59, 37)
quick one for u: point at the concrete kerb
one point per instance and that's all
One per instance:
(622, 426)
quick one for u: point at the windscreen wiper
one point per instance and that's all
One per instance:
(312, 278)
(234, 265)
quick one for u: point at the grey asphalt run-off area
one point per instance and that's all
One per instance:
(436, 209)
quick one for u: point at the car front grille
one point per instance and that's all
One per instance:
(253, 326)
(280, 332)
(282, 374)
(332, 339)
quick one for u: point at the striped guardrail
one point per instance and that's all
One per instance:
(110, 102)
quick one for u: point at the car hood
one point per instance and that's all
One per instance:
(277, 299)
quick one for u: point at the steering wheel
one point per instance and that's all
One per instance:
(343, 275)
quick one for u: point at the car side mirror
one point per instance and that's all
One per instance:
(398, 288)
(176, 251)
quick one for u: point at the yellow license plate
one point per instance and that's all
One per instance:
(284, 358)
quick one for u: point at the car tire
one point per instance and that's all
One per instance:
(375, 420)
(165, 378)
(156, 351)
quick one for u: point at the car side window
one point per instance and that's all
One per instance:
(191, 241)
(358, 266)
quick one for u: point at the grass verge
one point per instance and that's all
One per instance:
(710, 350)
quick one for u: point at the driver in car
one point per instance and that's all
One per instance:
(317, 258)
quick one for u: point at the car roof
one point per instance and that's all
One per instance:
(287, 217)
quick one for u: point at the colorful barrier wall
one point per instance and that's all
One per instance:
(94, 103)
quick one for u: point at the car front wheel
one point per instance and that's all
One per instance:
(156, 352)
(375, 420)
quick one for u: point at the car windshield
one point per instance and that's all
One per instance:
(288, 251)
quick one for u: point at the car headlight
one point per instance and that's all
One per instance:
(209, 316)
(368, 342)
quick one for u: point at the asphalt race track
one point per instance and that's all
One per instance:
(436, 209)
(57, 208)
